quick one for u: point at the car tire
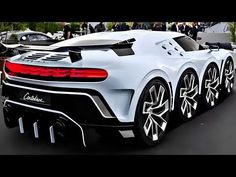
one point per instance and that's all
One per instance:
(228, 77)
(210, 93)
(187, 95)
(152, 113)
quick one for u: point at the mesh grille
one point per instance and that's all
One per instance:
(55, 57)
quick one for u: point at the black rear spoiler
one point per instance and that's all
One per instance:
(121, 48)
(118, 45)
(227, 45)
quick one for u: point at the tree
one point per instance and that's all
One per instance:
(109, 25)
(5, 26)
(75, 26)
(19, 26)
(10, 26)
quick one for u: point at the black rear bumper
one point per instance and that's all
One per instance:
(84, 107)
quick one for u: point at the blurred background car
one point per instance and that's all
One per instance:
(27, 38)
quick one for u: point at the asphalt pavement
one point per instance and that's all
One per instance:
(211, 132)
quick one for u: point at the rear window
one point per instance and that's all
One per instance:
(187, 43)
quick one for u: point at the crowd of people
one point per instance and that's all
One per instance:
(190, 30)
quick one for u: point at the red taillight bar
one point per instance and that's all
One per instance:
(55, 73)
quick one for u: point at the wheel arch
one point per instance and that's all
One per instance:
(184, 68)
(203, 72)
(223, 65)
(155, 74)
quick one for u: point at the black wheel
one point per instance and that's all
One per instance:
(210, 86)
(228, 77)
(152, 113)
(187, 94)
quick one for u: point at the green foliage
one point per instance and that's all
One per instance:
(53, 27)
(110, 24)
(9, 26)
(32, 26)
(13, 38)
(40, 26)
(19, 26)
(232, 29)
(75, 26)
(5, 26)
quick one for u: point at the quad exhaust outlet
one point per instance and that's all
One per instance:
(56, 129)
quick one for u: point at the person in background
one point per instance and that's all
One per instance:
(117, 26)
(84, 27)
(100, 27)
(113, 28)
(124, 26)
(194, 30)
(141, 25)
(67, 32)
(163, 26)
(156, 26)
(174, 27)
(184, 28)
(134, 26)
(91, 29)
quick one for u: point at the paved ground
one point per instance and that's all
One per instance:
(211, 132)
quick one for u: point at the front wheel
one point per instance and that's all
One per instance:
(152, 113)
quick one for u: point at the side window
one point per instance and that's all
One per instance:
(187, 43)
(42, 37)
(32, 37)
(37, 37)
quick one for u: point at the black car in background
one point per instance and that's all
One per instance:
(22, 37)
(27, 38)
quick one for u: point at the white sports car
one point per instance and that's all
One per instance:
(127, 82)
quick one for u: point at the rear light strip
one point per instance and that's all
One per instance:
(55, 73)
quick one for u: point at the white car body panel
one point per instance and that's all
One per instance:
(128, 75)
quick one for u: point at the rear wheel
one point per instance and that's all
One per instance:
(210, 86)
(228, 77)
(152, 113)
(187, 94)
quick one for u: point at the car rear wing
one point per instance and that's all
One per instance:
(218, 45)
(121, 48)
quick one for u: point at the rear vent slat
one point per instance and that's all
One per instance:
(36, 56)
(54, 57)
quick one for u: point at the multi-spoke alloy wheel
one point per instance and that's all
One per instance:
(152, 113)
(187, 93)
(228, 77)
(210, 86)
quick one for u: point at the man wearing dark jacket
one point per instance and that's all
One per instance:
(174, 27)
(193, 31)
(67, 31)
(184, 28)
(100, 27)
